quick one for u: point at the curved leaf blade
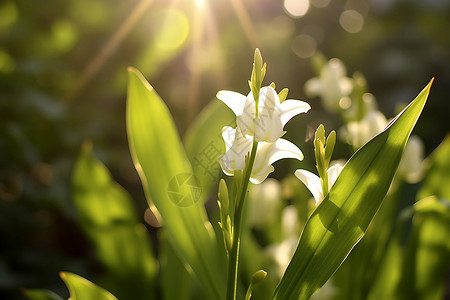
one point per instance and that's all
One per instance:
(107, 215)
(437, 179)
(159, 158)
(38, 294)
(341, 220)
(82, 289)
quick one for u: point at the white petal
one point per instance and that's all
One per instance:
(346, 85)
(235, 101)
(246, 121)
(291, 108)
(336, 66)
(313, 87)
(224, 162)
(228, 134)
(312, 182)
(333, 173)
(261, 166)
(284, 149)
(234, 157)
(268, 99)
(268, 126)
(261, 174)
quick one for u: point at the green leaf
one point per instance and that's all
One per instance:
(204, 143)
(341, 220)
(173, 273)
(391, 274)
(169, 184)
(107, 216)
(36, 294)
(82, 289)
(417, 269)
(356, 276)
(431, 232)
(437, 179)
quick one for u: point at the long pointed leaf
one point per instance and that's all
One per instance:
(162, 165)
(37, 294)
(437, 179)
(107, 216)
(341, 220)
(82, 289)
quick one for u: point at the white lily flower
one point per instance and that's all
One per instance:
(239, 145)
(313, 183)
(281, 254)
(358, 133)
(272, 115)
(411, 165)
(265, 199)
(332, 85)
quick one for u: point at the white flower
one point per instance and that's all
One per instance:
(239, 145)
(313, 183)
(281, 254)
(272, 115)
(411, 165)
(332, 85)
(358, 133)
(265, 199)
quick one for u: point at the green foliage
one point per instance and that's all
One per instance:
(107, 216)
(176, 282)
(159, 158)
(341, 220)
(82, 289)
(41, 295)
(437, 181)
(416, 268)
(430, 245)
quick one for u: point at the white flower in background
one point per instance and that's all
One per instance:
(332, 86)
(239, 145)
(326, 292)
(313, 182)
(281, 254)
(357, 133)
(289, 222)
(272, 115)
(411, 164)
(265, 199)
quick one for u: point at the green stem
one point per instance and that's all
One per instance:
(233, 261)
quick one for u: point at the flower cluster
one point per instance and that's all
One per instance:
(259, 121)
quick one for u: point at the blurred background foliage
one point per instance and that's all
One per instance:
(63, 80)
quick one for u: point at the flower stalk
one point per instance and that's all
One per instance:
(233, 259)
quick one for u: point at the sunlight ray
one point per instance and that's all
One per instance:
(96, 63)
(246, 22)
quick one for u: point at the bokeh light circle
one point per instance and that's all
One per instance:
(351, 21)
(296, 8)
